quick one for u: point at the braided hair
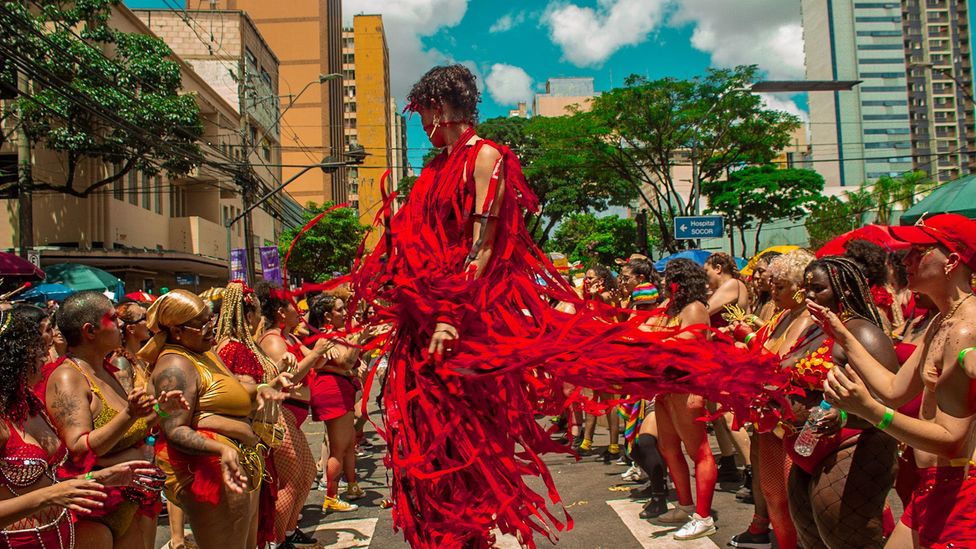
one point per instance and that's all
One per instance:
(850, 287)
(231, 324)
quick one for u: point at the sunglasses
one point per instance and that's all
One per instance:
(207, 326)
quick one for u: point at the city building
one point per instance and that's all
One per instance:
(521, 110)
(369, 118)
(889, 125)
(562, 95)
(940, 94)
(401, 166)
(306, 36)
(152, 231)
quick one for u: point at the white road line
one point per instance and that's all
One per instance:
(346, 534)
(652, 535)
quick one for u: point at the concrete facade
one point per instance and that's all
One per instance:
(306, 37)
(562, 95)
(903, 116)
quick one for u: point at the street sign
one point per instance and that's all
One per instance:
(34, 257)
(699, 226)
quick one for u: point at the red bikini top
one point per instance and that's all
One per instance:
(23, 463)
(810, 371)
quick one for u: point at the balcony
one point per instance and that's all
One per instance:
(198, 236)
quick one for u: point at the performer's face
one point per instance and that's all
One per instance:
(783, 293)
(817, 288)
(628, 280)
(431, 118)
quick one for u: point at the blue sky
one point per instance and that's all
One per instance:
(514, 46)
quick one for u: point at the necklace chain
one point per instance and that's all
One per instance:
(952, 312)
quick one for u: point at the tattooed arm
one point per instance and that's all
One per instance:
(69, 403)
(175, 373)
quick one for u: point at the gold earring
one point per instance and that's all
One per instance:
(437, 124)
(798, 296)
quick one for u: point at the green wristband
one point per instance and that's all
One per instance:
(843, 418)
(962, 356)
(159, 411)
(886, 420)
(749, 337)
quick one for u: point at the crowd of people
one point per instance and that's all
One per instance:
(876, 341)
(849, 376)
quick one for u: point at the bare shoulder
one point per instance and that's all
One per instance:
(694, 313)
(65, 378)
(174, 373)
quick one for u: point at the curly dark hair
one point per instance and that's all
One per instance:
(31, 312)
(686, 282)
(452, 85)
(270, 297)
(849, 286)
(725, 262)
(603, 272)
(20, 348)
(319, 308)
(871, 258)
(896, 264)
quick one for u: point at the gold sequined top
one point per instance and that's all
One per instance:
(219, 393)
(136, 433)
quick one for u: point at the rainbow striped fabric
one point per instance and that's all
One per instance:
(645, 293)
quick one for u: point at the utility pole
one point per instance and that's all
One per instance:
(25, 179)
(244, 178)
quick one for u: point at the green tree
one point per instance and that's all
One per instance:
(99, 93)
(329, 246)
(755, 196)
(404, 187)
(644, 129)
(559, 167)
(832, 217)
(587, 238)
(889, 192)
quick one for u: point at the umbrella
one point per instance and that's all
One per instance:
(958, 197)
(747, 270)
(141, 297)
(698, 256)
(44, 292)
(80, 277)
(14, 265)
(879, 234)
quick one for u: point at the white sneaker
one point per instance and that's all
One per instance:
(632, 473)
(679, 514)
(695, 528)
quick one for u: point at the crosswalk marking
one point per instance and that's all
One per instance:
(652, 535)
(346, 534)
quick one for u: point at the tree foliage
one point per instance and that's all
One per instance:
(755, 196)
(646, 128)
(99, 93)
(329, 246)
(587, 238)
(833, 216)
(559, 166)
(889, 192)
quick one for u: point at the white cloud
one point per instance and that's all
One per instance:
(406, 22)
(767, 33)
(507, 22)
(588, 36)
(783, 102)
(508, 84)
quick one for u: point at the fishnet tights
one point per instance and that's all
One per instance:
(296, 473)
(842, 504)
(774, 468)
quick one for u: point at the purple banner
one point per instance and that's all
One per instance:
(238, 267)
(271, 264)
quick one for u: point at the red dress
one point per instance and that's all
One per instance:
(461, 432)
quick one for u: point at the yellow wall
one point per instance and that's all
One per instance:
(372, 114)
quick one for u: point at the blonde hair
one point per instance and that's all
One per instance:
(231, 324)
(169, 311)
(790, 266)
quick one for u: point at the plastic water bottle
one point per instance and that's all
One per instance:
(808, 439)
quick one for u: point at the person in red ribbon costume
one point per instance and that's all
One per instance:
(476, 349)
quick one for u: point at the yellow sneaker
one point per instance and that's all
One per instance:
(336, 505)
(353, 491)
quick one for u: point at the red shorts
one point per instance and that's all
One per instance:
(55, 534)
(943, 507)
(332, 396)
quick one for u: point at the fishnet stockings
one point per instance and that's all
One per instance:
(774, 468)
(841, 505)
(296, 473)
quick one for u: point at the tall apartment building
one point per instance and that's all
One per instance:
(562, 94)
(153, 231)
(937, 38)
(882, 127)
(306, 35)
(368, 119)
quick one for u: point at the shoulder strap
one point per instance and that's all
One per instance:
(91, 382)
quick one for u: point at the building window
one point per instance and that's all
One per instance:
(146, 192)
(876, 5)
(348, 58)
(249, 56)
(882, 61)
(159, 195)
(879, 33)
(882, 75)
(880, 46)
(267, 78)
(869, 117)
(886, 103)
(133, 188)
(877, 19)
(882, 88)
(177, 201)
(266, 150)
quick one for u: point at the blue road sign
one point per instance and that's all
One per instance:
(699, 226)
